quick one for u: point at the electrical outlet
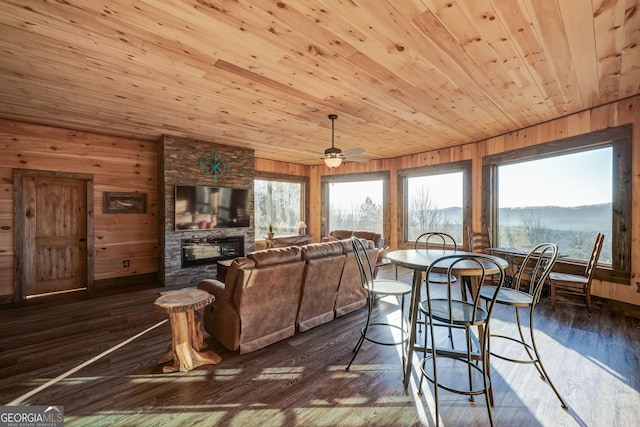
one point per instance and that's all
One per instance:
(125, 263)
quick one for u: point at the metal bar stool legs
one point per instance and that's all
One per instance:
(368, 325)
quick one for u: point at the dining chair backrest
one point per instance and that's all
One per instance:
(435, 239)
(479, 241)
(595, 255)
(536, 267)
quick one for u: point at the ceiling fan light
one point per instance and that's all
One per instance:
(333, 162)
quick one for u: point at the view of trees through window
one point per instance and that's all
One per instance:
(435, 204)
(565, 199)
(278, 203)
(356, 205)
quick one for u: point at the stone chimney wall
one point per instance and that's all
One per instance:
(179, 160)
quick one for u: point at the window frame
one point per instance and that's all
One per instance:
(326, 180)
(620, 139)
(293, 179)
(463, 166)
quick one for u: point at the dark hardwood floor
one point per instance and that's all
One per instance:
(96, 355)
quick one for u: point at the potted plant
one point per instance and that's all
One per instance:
(270, 233)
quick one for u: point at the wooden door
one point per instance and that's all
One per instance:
(55, 229)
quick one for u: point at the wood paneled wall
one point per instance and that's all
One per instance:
(117, 164)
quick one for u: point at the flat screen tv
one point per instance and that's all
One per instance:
(200, 207)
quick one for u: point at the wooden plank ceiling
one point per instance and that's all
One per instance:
(404, 76)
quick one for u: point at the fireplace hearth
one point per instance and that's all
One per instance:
(210, 250)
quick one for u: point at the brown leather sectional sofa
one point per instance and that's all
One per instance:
(270, 294)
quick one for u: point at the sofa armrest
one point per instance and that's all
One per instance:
(214, 287)
(221, 319)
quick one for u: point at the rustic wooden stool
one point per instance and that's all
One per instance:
(187, 339)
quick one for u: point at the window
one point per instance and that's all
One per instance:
(536, 193)
(564, 199)
(436, 198)
(356, 202)
(356, 206)
(280, 203)
(434, 203)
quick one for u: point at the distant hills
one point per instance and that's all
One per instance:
(578, 218)
(591, 217)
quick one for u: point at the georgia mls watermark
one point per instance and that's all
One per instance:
(31, 416)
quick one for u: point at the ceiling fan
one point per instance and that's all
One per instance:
(334, 156)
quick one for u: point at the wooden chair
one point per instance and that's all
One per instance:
(479, 241)
(570, 286)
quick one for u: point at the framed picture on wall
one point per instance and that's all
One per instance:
(115, 203)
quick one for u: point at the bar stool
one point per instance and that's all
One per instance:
(378, 288)
(460, 314)
(537, 265)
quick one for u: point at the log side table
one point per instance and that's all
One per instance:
(187, 339)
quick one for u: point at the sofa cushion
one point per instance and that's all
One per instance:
(275, 256)
(318, 250)
(323, 268)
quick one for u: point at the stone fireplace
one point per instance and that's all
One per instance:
(179, 164)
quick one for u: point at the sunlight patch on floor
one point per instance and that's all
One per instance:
(20, 400)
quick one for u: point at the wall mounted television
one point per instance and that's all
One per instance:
(199, 207)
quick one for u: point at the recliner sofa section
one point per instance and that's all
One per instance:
(324, 264)
(258, 303)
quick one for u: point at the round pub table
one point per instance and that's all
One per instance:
(187, 340)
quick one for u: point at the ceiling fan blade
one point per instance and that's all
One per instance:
(356, 159)
(353, 151)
